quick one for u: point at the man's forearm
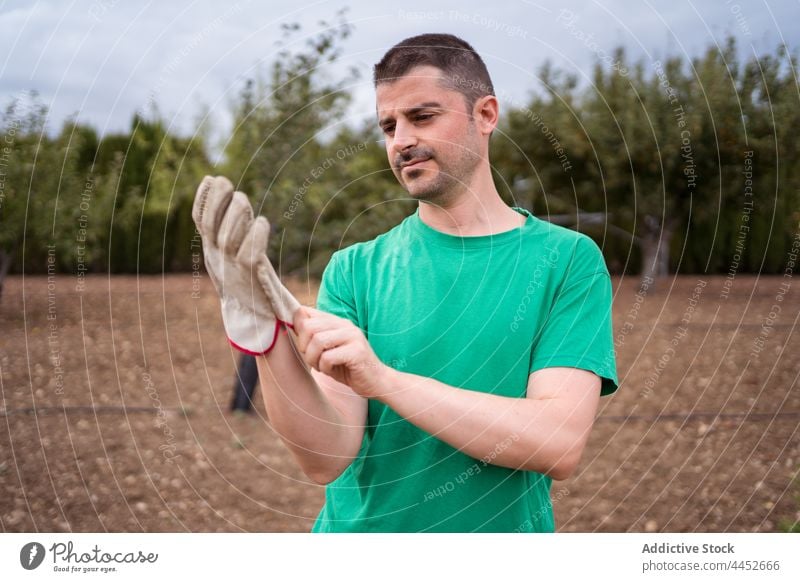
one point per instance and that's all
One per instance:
(313, 429)
(520, 433)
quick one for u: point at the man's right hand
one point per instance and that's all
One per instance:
(254, 301)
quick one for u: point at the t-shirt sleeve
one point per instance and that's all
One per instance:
(336, 294)
(577, 332)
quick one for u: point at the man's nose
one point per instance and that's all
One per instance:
(404, 137)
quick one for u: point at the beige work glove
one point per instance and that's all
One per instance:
(254, 301)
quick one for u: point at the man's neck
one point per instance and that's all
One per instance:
(476, 211)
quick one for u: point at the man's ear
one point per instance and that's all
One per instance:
(486, 113)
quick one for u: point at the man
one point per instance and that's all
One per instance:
(454, 365)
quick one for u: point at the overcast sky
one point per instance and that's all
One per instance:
(105, 59)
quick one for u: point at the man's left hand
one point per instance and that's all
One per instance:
(336, 347)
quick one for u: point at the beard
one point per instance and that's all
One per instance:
(442, 184)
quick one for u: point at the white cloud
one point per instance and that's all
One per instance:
(105, 58)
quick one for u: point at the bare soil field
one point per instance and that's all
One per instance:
(115, 413)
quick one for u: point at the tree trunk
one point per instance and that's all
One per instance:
(655, 245)
(5, 266)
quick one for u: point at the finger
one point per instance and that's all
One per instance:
(212, 212)
(311, 312)
(309, 326)
(301, 330)
(255, 243)
(334, 358)
(322, 341)
(299, 319)
(323, 317)
(235, 224)
(315, 344)
(200, 201)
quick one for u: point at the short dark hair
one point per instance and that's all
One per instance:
(464, 70)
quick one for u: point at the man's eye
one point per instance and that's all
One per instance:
(388, 129)
(424, 117)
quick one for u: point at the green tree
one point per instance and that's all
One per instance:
(660, 150)
(278, 152)
(156, 177)
(42, 179)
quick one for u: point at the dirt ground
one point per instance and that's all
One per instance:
(115, 413)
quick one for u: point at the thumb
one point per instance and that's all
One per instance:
(301, 315)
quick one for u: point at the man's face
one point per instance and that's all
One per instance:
(432, 143)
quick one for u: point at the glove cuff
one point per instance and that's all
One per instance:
(279, 325)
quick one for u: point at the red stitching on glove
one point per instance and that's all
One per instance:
(278, 325)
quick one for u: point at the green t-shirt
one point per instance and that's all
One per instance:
(480, 313)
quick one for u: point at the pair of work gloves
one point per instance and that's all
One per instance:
(255, 304)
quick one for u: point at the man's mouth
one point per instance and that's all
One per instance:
(411, 163)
